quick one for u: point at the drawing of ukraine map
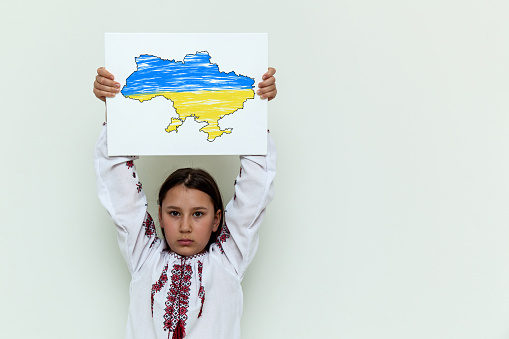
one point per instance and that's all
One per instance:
(197, 88)
(186, 93)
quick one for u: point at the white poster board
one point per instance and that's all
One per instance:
(186, 93)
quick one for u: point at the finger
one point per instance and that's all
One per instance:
(268, 82)
(102, 84)
(266, 90)
(98, 96)
(103, 94)
(268, 94)
(270, 72)
(106, 82)
(273, 95)
(106, 88)
(103, 72)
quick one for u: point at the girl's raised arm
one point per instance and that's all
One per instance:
(120, 190)
(253, 192)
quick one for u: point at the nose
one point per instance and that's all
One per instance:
(185, 226)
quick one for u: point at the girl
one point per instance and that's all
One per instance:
(187, 284)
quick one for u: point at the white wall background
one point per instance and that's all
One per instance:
(391, 216)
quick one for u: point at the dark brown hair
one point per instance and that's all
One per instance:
(198, 179)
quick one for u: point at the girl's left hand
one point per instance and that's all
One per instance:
(267, 88)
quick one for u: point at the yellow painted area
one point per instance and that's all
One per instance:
(204, 106)
(175, 123)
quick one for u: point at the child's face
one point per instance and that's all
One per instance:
(188, 218)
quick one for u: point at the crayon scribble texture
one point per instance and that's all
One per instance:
(195, 86)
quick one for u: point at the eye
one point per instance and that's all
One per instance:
(174, 213)
(198, 214)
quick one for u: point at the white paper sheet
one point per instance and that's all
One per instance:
(172, 88)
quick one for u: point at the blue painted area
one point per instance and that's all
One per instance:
(194, 73)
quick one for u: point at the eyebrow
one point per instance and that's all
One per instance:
(171, 207)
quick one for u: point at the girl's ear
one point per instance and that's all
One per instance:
(217, 219)
(160, 215)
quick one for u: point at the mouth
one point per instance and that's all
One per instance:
(185, 242)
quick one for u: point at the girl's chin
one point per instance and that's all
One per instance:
(186, 251)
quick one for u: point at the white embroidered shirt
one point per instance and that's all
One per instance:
(203, 291)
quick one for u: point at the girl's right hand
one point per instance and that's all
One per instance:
(104, 84)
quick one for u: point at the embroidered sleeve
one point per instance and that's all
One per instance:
(254, 190)
(120, 191)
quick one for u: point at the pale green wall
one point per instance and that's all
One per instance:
(391, 215)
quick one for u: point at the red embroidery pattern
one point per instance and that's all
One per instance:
(129, 164)
(225, 234)
(158, 286)
(201, 293)
(177, 302)
(138, 186)
(150, 228)
(154, 242)
(178, 256)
